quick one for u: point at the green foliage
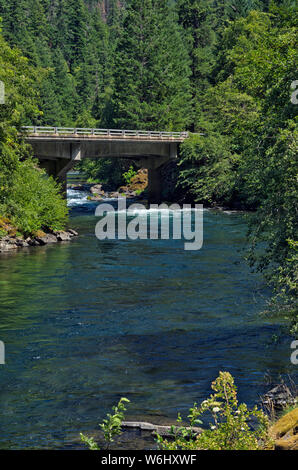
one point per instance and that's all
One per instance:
(207, 168)
(230, 429)
(90, 442)
(152, 86)
(35, 202)
(27, 197)
(111, 426)
(139, 192)
(128, 175)
(275, 225)
(105, 171)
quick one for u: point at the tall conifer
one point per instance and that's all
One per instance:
(152, 69)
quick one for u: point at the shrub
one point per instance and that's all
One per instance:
(34, 201)
(230, 429)
(128, 175)
(111, 426)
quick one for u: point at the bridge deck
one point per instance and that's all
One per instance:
(77, 134)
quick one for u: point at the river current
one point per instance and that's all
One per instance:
(86, 322)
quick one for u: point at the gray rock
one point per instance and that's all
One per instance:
(21, 242)
(114, 195)
(7, 246)
(73, 232)
(33, 242)
(279, 397)
(96, 189)
(48, 238)
(63, 236)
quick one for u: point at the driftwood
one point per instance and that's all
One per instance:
(165, 431)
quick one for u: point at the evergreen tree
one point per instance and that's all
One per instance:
(152, 69)
(94, 75)
(25, 25)
(70, 30)
(197, 20)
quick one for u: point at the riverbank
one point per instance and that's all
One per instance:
(10, 243)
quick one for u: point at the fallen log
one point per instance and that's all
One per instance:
(164, 431)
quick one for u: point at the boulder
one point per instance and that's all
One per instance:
(97, 189)
(7, 246)
(63, 236)
(72, 232)
(33, 242)
(48, 238)
(285, 431)
(279, 397)
(20, 242)
(114, 195)
(80, 187)
(287, 424)
(287, 443)
(95, 197)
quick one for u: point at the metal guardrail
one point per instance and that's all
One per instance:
(102, 132)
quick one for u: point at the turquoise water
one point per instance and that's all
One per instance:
(87, 322)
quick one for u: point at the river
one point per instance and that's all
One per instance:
(88, 321)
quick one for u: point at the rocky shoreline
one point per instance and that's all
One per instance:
(12, 243)
(99, 192)
(136, 189)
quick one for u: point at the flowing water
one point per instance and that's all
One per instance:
(89, 321)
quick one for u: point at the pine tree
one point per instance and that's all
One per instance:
(70, 30)
(196, 17)
(25, 25)
(152, 69)
(94, 75)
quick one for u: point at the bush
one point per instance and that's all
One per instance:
(34, 201)
(128, 175)
(230, 429)
(111, 426)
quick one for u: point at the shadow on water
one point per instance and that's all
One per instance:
(87, 322)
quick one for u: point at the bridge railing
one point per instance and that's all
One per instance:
(102, 132)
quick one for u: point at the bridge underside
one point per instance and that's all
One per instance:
(58, 155)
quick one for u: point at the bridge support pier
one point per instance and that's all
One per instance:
(154, 186)
(154, 166)
(58, 168)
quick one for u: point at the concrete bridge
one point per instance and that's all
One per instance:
(58, 149)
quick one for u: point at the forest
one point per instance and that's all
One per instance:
(219, 68)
